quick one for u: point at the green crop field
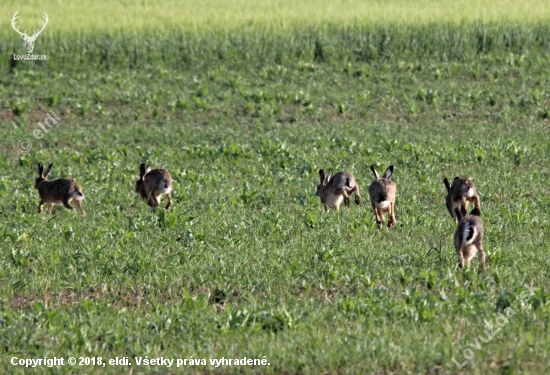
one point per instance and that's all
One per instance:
(244, 102)
(198, 16)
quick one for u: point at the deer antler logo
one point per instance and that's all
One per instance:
(29, 40)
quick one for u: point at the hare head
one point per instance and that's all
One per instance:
(42, 175)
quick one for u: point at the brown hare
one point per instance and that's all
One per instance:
(153, 184)
(460, 194)
(60, 191)
(334, 189)
(382, 196)
(468, 239)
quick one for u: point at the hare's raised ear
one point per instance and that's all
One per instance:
(388, 173)
(376, 175)
(458, 213)
(141, 170)
(40, 169)
(47, 171)
(322, 176)
(447, 185)
(329, 175)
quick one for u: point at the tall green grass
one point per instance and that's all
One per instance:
(201, 16)
(176, 34)
(177, 49)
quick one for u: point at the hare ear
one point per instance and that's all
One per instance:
(148, 169)
(458, 214)
(141, 170)
(447, 185)
(328, 177)
(47, 171)
(388, 173)
(376, 175)
(40, 169)
(322, 176)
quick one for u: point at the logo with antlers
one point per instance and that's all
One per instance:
(29, 40)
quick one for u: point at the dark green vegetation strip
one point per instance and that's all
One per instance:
(247, 263)
(179, 50)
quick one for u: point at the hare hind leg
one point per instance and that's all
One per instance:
(78, 205)
(153, 201)
(469, 252)
(169, 203)
(344, 192)
(378, 214)
(391, 214)
(357, 195)
(354, 190)
(460, 257)
(479, 246)
(65, 202)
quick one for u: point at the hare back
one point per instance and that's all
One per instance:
(469, 229)
(54, 190)
(158, 179)
(341, 180)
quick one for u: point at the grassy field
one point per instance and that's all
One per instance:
(247, 263)
(198, 16)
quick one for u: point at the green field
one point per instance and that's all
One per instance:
(198, 16)
(243, 104)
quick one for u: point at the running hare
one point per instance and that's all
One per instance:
(60, 191)
(332, 190)
(153, 184)
(459, 195)
(382, 196)
(468, 239)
